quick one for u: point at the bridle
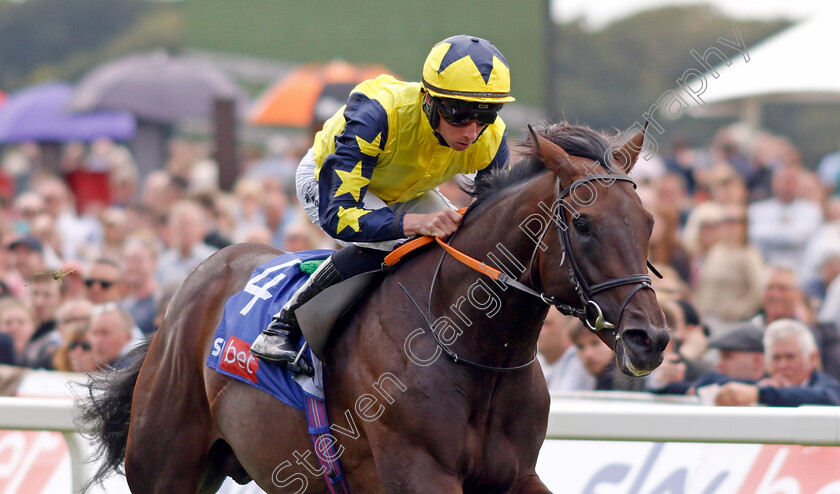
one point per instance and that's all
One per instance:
(590, 313)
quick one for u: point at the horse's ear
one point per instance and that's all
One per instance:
(625, 156)
(553, 157)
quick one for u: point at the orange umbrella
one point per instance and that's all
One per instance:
(2, 97)
(292, 100)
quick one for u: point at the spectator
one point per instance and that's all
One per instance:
(781, 297)
(558, 358)
(43, 229)
(665, 246)
(123, 179)
(684, 361)
(781, 226)
(104, 281)
(76, 354)
(818, 288)
(26, 207)
(138, 270)
(71, 277)
(80, 235)
(671, 190)
(110, 335)
(299, 236)
(740, 356)
(257, 235)
(687, 331)
(116, 228)
(728, 287)
(250, 211)
(726, 186)
(29, 256)
(823, 244)
(72, 313)
(792, 359)
(212, 202)
(279, 215)
(701, 232)
(670, 286)
(158, 194)
(681, 161)
(9, 275)
(46, 296)
(7, 349)
(828, 170)
(186, 229)
(599, 361)
(18, 320)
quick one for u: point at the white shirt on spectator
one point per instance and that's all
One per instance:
(781, 231)
(567, 373)
(825, 243)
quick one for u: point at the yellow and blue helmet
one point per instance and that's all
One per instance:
(467, 68)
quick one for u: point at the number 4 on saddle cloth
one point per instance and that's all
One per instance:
(249, 311)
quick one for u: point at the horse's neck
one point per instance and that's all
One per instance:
(501, 318)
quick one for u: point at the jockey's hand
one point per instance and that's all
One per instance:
(438, 224)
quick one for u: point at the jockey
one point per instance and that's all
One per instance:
(370, 179)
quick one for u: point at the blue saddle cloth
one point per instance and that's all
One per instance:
(247, 313)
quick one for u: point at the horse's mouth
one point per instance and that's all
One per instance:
(627, 367)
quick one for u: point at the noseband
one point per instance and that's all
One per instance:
(591, 314)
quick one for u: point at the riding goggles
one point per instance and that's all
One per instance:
(460, 115)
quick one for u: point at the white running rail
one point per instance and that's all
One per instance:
(582, 419)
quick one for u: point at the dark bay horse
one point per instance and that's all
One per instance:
(457, 409)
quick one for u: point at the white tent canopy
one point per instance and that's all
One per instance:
(798, 64)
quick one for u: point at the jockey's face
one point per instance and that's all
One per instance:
(462, 137)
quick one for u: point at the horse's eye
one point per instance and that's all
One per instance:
(582, 226)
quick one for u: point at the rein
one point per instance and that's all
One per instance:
(591, 313)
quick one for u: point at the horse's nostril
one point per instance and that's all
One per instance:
(644, 340)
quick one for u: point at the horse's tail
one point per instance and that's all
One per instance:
(106, 410)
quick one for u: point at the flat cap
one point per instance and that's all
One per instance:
(745, 337)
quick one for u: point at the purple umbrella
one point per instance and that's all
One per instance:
(39, 114)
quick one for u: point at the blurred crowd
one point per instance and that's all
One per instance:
(92, 253)
(746, 236)
(748, 240)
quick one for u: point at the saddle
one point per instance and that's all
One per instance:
(318, 316)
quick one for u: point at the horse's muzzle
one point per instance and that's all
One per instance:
(640, 350)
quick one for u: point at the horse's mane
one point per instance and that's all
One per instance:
(577, 140)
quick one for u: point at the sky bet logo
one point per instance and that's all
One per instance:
(237, 358)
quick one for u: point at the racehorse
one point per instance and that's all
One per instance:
(431, 378)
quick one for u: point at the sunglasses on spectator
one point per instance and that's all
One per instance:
(76, 344)
(460, 117)
(105, 284)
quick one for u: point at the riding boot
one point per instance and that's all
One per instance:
(277, 343)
